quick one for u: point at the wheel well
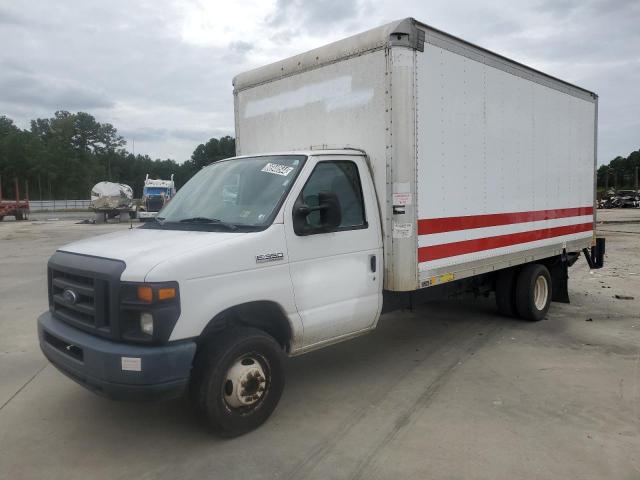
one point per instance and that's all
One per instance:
(264, 315)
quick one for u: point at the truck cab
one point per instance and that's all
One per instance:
(155, 195)
(290, 264)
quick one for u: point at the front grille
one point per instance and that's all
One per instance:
(83, 292)
(91, 305)
(155, 204)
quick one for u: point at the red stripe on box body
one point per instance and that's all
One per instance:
(452, 224)
(445, 250)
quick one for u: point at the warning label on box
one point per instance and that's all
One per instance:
(401, 199)
(402, 230)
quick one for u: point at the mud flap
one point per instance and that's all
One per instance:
(559, 271)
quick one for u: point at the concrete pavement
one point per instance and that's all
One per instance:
(448, 391)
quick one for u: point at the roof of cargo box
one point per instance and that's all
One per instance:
(406, 32)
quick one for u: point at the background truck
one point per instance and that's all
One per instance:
(110, 200)
(155, 195)
(411, 165)
(17, 208)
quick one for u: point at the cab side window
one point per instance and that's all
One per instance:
(340, 178)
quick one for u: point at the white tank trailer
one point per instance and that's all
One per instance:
(110, 200)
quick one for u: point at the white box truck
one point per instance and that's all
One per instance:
(408, 165)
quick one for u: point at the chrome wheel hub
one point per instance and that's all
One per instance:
(245, 383)
(540, 292)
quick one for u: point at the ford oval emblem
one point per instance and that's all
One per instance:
(70, 296)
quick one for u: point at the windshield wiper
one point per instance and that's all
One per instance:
(217, 221)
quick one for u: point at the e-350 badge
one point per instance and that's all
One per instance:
(269, 257)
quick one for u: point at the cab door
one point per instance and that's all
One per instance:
(335, 261)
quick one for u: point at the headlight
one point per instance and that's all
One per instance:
(148, 311)
(146, 323)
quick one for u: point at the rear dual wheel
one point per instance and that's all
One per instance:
(524, 292)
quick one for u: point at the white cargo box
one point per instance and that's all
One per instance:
(479, 162)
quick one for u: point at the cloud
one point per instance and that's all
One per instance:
(11, 18)
(160, 71)
(194, 136)
(241, 47)
(311, 14)
(52, 93)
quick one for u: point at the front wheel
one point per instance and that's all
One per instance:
(533, 292)
(237, 380)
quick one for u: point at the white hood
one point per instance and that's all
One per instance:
(142, 249)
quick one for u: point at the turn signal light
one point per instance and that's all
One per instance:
(145, 294)
(166, 293)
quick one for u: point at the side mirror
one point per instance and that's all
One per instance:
(330, 215)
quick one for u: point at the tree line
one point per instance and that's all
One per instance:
(64, 156)
(620, 173)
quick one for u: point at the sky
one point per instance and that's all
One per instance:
(160, 71)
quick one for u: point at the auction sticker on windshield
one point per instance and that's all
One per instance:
(277, 169)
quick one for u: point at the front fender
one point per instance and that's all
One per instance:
(249, 268)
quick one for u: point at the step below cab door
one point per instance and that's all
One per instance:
(334, 243)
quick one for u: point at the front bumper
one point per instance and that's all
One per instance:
(116, 370)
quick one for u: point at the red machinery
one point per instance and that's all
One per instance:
(18, 208)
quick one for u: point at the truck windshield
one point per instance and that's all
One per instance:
(242, 193)
(155, 191)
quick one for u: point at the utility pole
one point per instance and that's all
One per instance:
(636, 181)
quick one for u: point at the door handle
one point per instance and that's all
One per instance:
(372, 263)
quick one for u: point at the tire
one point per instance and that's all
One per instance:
(506, 292)
(217, 399)
(533, 292)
